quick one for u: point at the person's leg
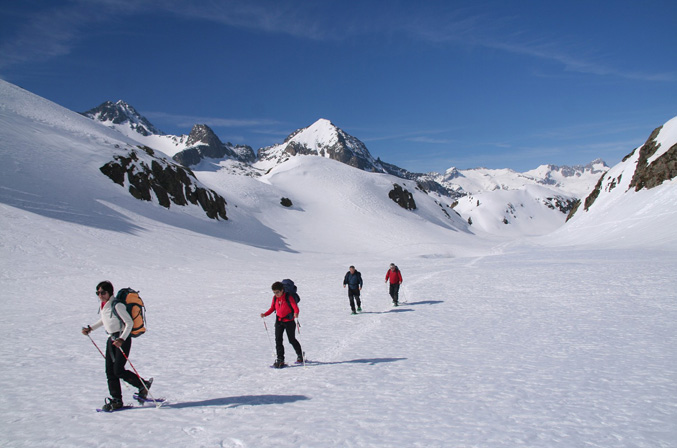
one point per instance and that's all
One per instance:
(291, 335)
(120, 362)
(279, 346)
(113, 380)
(351, 297)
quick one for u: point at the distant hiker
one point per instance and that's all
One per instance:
(395, 277)
(286, 311)
(353, 279)
(118, 324)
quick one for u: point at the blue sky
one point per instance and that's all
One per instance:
(426, 85)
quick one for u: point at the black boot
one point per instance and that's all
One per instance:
(143, 391)
(279, 363)
(112, 404)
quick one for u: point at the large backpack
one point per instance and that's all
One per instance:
(290, 290)
(135, 308)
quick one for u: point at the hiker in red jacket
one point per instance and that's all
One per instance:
(395, 277)
(286, 311)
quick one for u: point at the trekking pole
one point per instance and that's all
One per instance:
(104, 356)
(298, 327)
(269, 340)
(97, 347)
(157, 403)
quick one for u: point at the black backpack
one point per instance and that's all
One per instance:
(290, 289)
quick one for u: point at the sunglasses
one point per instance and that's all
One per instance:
(100, 293)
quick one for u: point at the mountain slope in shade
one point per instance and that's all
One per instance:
(66, 166)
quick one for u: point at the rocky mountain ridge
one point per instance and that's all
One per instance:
(202, 150)
(325, 139)
(649, 166)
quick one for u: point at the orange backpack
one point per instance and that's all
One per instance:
(135, 308)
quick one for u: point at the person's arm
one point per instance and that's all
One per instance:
(121, 311)
(270, 310)
(89, 328)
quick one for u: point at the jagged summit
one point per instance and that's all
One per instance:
(203, 143)
(324, 139)
(201, 134)
(120, 113)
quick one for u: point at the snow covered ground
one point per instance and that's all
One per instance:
(528, 347)
(534, 342)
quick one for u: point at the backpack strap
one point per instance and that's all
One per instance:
(291, 313)
(119, 299)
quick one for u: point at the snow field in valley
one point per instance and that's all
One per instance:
(529, 347)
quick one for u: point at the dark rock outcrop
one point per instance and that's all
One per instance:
(402, 197)
(169, 182)
(663, 168)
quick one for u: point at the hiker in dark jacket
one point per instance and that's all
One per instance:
(286, 311)
(119, 329)
(395, 277)
(353, 279)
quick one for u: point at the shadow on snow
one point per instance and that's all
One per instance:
(370, 361)
(244, 400)
(425, 302)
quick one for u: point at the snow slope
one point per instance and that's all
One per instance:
(499, 342)
(623, 217)
(529, 210)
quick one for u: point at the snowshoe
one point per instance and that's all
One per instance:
(278, 364)
(112, 404)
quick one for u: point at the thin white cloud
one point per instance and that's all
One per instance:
(217, 122)
(46, 35)
(52, 32)
(431, 140)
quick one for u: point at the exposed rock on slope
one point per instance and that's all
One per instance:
(169, 183)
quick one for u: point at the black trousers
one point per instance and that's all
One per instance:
(290, 328)
(354, 296)
(395, 292)
(115, 368)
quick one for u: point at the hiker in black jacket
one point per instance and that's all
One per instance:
(353, 279)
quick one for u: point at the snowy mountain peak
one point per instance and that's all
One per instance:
(201, 134)
(323, 139)
(120, 114)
